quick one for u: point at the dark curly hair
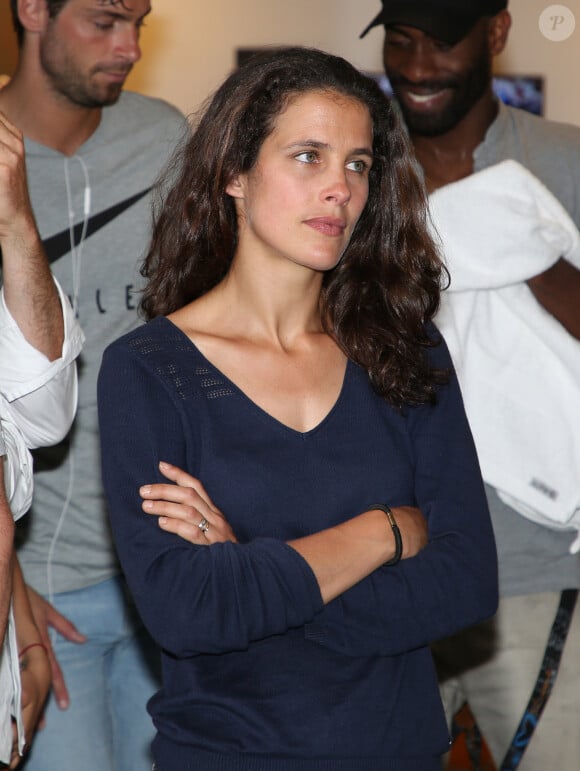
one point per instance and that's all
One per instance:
(377, 302)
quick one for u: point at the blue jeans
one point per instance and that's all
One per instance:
(110, 678)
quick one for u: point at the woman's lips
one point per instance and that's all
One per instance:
(330, 226)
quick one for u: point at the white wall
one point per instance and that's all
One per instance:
(189, 45)
(529, 51)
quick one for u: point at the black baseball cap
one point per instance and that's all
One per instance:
(446, 20)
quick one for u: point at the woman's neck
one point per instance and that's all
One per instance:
(279, 302)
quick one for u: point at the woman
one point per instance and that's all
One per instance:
(292, 372)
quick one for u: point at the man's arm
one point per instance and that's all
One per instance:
(6, 552)
(29, 289)
(34, 662)
(558, 291)
(40, 337)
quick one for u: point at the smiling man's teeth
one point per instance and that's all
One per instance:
(420, 98)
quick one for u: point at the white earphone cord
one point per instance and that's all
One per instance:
(77, 250)
(76, 260)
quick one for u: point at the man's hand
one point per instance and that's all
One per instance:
(35, 678)
(28, 286)
(16, 218)
(45, 616)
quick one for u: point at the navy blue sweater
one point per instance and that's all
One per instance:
(258, 673)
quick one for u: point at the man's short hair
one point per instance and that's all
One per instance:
(446, 20)
(54, 8)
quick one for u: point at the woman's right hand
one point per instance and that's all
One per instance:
(413, 527)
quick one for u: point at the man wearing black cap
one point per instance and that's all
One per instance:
(438, 57)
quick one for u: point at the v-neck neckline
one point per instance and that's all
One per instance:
(253, 404)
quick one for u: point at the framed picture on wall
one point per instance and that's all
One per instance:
(525, 91)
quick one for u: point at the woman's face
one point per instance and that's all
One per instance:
(302, 199)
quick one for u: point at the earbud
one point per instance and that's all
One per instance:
(87, 202)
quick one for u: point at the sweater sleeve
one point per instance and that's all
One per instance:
(193, 599)
(450, 584)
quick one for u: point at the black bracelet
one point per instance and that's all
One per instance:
(396, 532)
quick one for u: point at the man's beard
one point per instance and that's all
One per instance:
(80, 94)
(77, 88)
(465, 91)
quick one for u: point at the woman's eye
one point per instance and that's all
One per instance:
(359, 166)
(308, 156)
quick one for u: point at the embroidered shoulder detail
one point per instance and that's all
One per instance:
(173, 360)
(147, 344)
(211, 384)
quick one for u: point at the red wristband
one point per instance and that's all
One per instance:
(33, 645)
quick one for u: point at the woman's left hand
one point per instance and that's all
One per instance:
(185, 508)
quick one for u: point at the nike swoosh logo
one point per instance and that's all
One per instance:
(58, 245)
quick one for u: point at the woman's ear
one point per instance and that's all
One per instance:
(235, 187)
